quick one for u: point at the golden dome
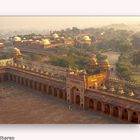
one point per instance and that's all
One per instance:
(37, 41)
(30, 40)
(131, 94)
(17, 39)
(121, 91)
(55, 35)
(112, 89)
(23, 66)
(17, 51)
(103, 87)
(46, 42)
(62, 37)
(86, 38)
(95, 85)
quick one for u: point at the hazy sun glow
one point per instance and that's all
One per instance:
(61, 22)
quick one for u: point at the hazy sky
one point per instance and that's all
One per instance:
(52, 22)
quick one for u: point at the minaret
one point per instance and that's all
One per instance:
(104, 66)
(92, 65)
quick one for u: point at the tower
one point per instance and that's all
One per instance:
(75, 86)
(104, 65)
(92, 65)
(105, 69)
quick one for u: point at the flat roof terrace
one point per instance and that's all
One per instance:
(22, 105)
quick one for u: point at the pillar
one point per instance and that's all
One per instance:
(138, 118)
(95, 105)
(42, 88)
(2, 78)
(111, 110)
(33, 84)
(82, 102)
(9, 77)
(28, 83)
(103, 107)
(58, 93)
(16, 79)
(37, 85)
(24, 81)
(47, 89)
(52, 90)
(130, 115)
(20, 80)
(64, 94)
(120, 112)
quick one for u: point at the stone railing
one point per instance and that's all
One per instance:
(40, 72)
(5, 62)
(100, 92)
(56, 70)
(124, 82)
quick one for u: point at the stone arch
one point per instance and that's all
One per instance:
(26, 83)
(115, 111)
(39, 86)
(45, 88)
(99, 106)
(14, 77)
(61, 93)
(135, 117)
(73, 92)
(35, 85)
(10, 77)
(107, 109)
(77, 99)
(22, 82)
(50, 90)
(5, 77)
(31, 84)
(65, 95)
(18, 79)
(125, 114)
(91, 104)
(55, 92)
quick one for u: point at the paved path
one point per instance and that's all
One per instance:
(22, 105)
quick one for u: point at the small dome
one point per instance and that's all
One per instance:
(62, 37)
(46, 42)
(121, 91)
(17, 51)
(131, 94)
(37, 41)
(17, 38)
(93, 60)
(103, 87)
(55, 36)
(112, 89)
(86, 38)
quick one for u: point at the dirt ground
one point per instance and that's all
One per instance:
(21, 105)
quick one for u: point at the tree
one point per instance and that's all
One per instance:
(101, 56)
(136, 40)
(136, 59)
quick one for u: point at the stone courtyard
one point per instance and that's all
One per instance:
(22, 105)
